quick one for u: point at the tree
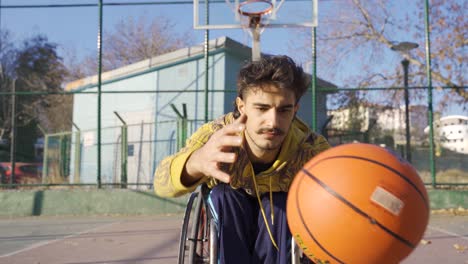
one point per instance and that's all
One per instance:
(361, 33)
(7, 55)
(34, 67)
(130, 41)
(40, 69)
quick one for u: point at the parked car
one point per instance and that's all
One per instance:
(24, 172)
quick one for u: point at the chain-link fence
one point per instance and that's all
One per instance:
(375, 119)
(59, 99)
(130, 154)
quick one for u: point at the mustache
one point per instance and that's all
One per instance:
(275, 131)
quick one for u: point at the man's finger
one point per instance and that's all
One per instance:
(237, 126)
(230, 141)
(241, 119)
(220, 175)
(225, 157)
(233, 129)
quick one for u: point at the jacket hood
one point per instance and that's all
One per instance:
(297, 135)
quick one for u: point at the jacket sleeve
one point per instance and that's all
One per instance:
(167, 178)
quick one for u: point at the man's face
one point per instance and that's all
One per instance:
(270, 112)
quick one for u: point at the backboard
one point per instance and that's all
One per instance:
(224, 14)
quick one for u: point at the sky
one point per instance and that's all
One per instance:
(75, 29)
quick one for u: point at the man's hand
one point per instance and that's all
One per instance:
(218, 149)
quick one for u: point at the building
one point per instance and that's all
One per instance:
(452, 133)
(143, 95)
(381, 119)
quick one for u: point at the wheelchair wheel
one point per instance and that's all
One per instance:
(183, 245)
(198, 239)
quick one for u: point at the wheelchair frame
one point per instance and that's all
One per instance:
(199, 235)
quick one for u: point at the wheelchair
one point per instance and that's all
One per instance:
(198, 236)
(198, 242)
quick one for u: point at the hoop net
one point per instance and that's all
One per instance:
(254, 15)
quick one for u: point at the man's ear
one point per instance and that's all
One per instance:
(240, 105)
(296, 107)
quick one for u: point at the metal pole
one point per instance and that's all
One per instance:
(99, 47)
(405, 63)
(13, 132)
(123, 152)
(205, 53)
(45, 160)
(60, 158)
(124, 157)
(179, 134)
(184, 124)
(429, 100)
(77, 162)
(0, 25)
(180, 125)
(314, 79)
(256, 52)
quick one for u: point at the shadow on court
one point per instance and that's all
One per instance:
(89, 240)
(154, 239)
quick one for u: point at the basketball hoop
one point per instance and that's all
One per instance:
(254, 10)
(254, 17)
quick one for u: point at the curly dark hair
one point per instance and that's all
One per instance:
(280, 71)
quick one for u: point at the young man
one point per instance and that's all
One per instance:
(248, 159)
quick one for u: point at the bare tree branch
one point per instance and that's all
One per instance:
(367, 30)
(132, 40)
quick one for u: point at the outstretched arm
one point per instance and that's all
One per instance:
(199, 160)
(206, 160)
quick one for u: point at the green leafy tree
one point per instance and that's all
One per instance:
(40, 69)
(33, 67)
(7, 52)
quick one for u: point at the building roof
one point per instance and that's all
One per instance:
(168, 59)
(159, 61)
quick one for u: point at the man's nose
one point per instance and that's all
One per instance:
(273, 118)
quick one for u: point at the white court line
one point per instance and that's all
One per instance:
(448, 232)
(40, 244)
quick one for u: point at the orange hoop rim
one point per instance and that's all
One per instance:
(255, 14)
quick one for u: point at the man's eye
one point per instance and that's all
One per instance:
(285, 110)
(262, 109)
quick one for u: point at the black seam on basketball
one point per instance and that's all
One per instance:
(387, 167)
(357, 210)
(310, 233)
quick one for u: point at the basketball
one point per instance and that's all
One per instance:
(357, 203)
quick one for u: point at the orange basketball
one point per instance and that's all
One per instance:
(357, 203)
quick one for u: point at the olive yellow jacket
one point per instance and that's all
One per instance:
(299, 146)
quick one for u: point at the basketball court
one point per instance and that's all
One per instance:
(154, 239)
